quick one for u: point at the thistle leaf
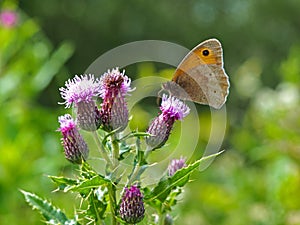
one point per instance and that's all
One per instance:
(51, 214)
(86, 186)
(96, 208)
(63, 182)
(179, 179)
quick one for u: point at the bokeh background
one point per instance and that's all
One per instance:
(256, 181)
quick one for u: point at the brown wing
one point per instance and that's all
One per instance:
(201, 75)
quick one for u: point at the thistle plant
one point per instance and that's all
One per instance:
(112, 196)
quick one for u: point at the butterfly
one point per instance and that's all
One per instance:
(200, 77)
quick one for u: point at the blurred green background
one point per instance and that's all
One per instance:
(256, 181)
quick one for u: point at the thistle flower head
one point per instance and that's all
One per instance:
(132, 207)
(176, 164)
(172, 109)
(75, 147)
(8, 18)
(67, 124)
(114, 83)
(114, 113)
(80, 89)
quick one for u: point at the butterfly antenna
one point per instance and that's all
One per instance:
(161, 91)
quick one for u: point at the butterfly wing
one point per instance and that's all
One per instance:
(201, 75)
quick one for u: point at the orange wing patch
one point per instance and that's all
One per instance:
(207, 55)
(201, 76)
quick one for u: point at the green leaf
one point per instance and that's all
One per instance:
(140, 159)
(179, 179)
(124, 148)
(51, 214)
(96, 208)
(171, 199)
(87, 171)
(105, 139)
(63, 182)
(135, 134)
(140, 134)
(86, 186)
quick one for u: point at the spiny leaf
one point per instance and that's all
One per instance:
(87, 171)
(51, 214)
(85, 186)
(179, 179)
(96, 208)
(63, 182)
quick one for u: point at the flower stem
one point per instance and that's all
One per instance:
(102, 150)
(112, 199)
(115, 151)
(137, 169)
(161, 219)
(133, 175)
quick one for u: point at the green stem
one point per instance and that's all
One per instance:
(99, 219)
(102, 151)
(113, 204)
(161, 219)
(147, 153)
(162, 215)
(133, 175)
(137, 168)
(115, 151)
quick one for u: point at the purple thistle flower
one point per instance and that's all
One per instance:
(74, 145)
(132, 207)
(176, 164)
(8, 18)
(80, 92)
(172, 109)
(114, 87)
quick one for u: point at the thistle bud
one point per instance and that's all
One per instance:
(172, 109)
(75, 147)
(114, 87)
(132, 207)
(176, 164)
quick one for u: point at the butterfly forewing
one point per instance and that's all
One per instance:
(201, 75)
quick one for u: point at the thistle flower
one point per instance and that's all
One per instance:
(114, 87)
(75, 147)
(176, 164)
(80, 92)
(8, 18)
(132, 207)
(172, 109)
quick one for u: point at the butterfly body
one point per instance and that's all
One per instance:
(200, 77)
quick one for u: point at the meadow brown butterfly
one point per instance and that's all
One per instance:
(200, 77)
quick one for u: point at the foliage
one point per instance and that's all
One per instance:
(161, 197)
(114, 194)
(256, 181)
(28, 64)
(49, 212)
